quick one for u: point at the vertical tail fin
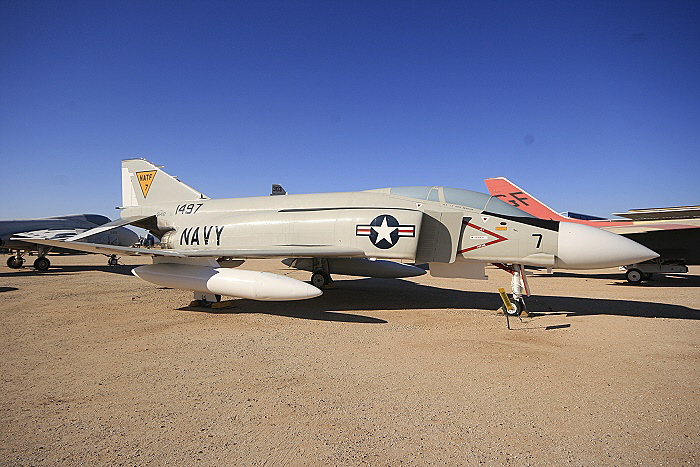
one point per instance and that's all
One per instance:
(144, 183)
(507, 191)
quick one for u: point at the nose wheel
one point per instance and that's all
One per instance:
(15, 262)
(518, 306)
(634, 276)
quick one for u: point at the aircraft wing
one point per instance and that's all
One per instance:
(682, 213)
(46, 234)
(272, 251)
(643, 227)
(108, 226)
(99, 248)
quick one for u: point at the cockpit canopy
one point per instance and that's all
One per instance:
(468, 198)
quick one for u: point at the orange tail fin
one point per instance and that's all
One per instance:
(507, 191)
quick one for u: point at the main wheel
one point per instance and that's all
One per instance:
(113, 261)
(634, 276)
(319, 279)
(14, 262)
(42, 263)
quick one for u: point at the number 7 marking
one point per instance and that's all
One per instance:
(539, 239)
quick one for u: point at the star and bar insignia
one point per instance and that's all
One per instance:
(384, 231)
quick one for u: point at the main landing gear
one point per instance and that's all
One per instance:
(42, 263)
(205, 300)
(321, 276)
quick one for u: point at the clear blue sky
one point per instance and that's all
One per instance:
(592, 106)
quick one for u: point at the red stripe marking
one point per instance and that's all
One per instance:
(499, 238)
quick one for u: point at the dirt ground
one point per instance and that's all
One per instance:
(100, 368)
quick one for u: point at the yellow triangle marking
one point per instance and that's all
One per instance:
(146, 180)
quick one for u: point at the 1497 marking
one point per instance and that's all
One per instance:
(188, 208)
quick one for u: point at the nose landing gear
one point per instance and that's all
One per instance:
(519, 287)
(15, 262)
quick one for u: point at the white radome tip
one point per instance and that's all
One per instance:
(585, 247)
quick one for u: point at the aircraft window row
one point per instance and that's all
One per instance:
(430, 193)
(472, 199)
(434, 195)
(497, 206)
(481, 201)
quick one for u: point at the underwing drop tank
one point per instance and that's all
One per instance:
(254, 285)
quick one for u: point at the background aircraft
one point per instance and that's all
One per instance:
(672, 232)
(19, 236)
(456, 231)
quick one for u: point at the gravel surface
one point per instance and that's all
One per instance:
(100, 368)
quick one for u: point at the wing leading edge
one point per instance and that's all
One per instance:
(274, 251)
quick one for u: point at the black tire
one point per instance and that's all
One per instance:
(14, 262)
(518, 307)
(113, 262)
(634, 276)
(42, 263)
(320, 279)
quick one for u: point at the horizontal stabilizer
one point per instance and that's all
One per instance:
(108, 226)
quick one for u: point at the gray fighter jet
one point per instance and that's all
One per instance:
(456, 232)
(19, 236)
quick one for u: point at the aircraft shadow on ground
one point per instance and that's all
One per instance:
(8, 289)
(63, 270)
(351, 298)
(659, 280)
(294, 311)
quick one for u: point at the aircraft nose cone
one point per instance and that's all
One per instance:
(584, 247)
